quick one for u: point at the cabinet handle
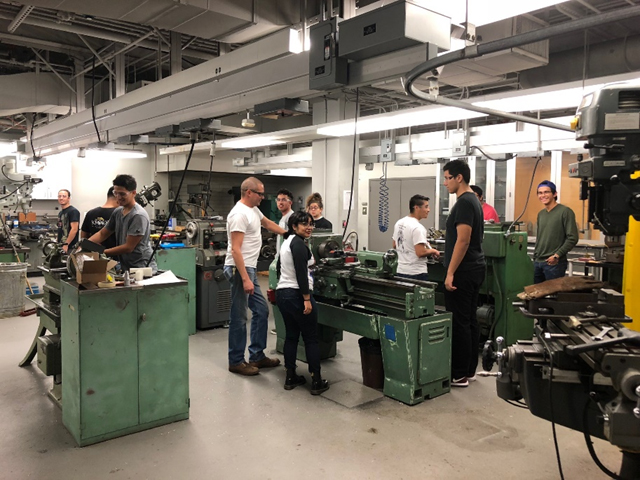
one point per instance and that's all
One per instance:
(143, 317)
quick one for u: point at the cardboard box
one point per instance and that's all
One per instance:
(90, 268)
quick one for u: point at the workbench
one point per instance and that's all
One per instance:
(125, 359)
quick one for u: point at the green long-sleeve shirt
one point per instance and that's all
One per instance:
(557, 233)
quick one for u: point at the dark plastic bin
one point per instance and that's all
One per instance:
(371, 359)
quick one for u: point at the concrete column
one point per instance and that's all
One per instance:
(80, 97)
(176, 52)
(332, 162)
(120, 77)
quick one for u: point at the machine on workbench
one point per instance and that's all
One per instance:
(582, 368)
(357, 292)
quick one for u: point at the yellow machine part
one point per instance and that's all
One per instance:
(630, 277)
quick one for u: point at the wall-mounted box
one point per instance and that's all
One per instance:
(326, 69)
(393, 27)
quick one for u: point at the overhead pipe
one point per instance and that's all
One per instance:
(103, 34)
(475, 51)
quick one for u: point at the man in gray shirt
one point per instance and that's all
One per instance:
(131, 225)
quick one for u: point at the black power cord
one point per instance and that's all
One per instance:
(587, 439)
(93, 95)
(473, 147)
(553, 421)
(173, 205)
(353, 164)
(533, 176)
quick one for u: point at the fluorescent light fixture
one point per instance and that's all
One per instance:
(253, 141)
(402, 119)
(8, 148)
(92, 154)
(483, 12)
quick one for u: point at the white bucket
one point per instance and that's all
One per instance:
(13, 281)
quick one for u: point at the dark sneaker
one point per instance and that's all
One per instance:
(293, 381)
(266, 362)
(317, 387)
(244, 369)
(459, 382)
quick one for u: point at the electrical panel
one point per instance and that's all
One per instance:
(387, 150)
(393, 27)
(326, 69)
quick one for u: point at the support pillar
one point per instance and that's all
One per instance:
(332, 163)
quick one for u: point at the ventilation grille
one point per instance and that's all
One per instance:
(224, 301)
(629, 100)
(437, 334)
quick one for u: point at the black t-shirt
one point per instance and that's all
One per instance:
(323, 223)
(467, 211)
(95, 220)
(65, 218)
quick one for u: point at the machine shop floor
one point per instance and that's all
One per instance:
(250, 427)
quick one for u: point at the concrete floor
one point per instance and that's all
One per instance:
(251, 428)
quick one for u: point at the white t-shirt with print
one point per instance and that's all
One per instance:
(407, 233)
(246, 220)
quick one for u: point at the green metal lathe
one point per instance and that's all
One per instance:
(356, 292)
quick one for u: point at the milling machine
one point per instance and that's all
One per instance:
(356, 292)
(582, 368)
(213, 290)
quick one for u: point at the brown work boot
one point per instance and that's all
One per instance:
(244, 369)
(266, 362)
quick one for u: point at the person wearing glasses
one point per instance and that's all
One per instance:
(284, 200)
(243, 248)
(557, 234)
(295, 301)
(130, 224)
(315, 207)
(465, 264)
(410, 241)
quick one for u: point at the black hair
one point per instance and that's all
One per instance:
(125, 181)
(315, 198)
(296, 219)
(477, 190)
(284, 191)
(417, 201)
(458, 167)
(110, 193)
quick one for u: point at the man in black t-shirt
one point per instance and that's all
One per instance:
(464, 260)
(96, 219)
(68, 221)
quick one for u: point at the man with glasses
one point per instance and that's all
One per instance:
(244, 243)
(131, 226)
(557, 234)
(284, 200)
(465, 264)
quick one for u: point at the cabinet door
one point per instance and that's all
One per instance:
(163, 353)
(108, 371)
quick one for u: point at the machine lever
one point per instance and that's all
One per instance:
(601, 335)
(624, 336)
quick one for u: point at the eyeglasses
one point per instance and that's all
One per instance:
(314, 207)
(285, 199)
(307, 225)
(121, 194)
(261, 194)
(544, 193)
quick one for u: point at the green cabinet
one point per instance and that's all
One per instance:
(182, 262)
(125, 359)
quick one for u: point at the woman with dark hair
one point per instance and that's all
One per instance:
(296, 304)
(315, 208)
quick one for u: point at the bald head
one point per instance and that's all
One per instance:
(251, 183)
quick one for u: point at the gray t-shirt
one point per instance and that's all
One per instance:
(135, 223)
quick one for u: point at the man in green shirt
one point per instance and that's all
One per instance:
(557, 235)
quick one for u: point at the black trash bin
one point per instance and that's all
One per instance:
(371, 359)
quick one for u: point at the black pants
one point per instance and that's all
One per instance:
(462, 303)
(291, 305)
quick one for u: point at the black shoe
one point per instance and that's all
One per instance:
(292, 381)
(318, 385)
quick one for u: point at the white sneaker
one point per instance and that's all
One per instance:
(472, 379)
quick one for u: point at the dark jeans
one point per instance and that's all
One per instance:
(462, 303)
(420, 276)
(291, 305)
(542, 271)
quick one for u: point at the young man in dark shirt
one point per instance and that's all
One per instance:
(68, 221)
(96, 219)
(464, 260)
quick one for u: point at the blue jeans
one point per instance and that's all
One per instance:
(238, 317)
(542, 271)
(420, 276)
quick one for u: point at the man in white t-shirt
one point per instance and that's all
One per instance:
(244, 242)
(284, 200)
(410, 241)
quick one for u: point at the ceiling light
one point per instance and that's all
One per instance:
(253, 141)
(248, 122)
(482, 12)
(407, 118)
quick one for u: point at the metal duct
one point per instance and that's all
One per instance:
(607, 58)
